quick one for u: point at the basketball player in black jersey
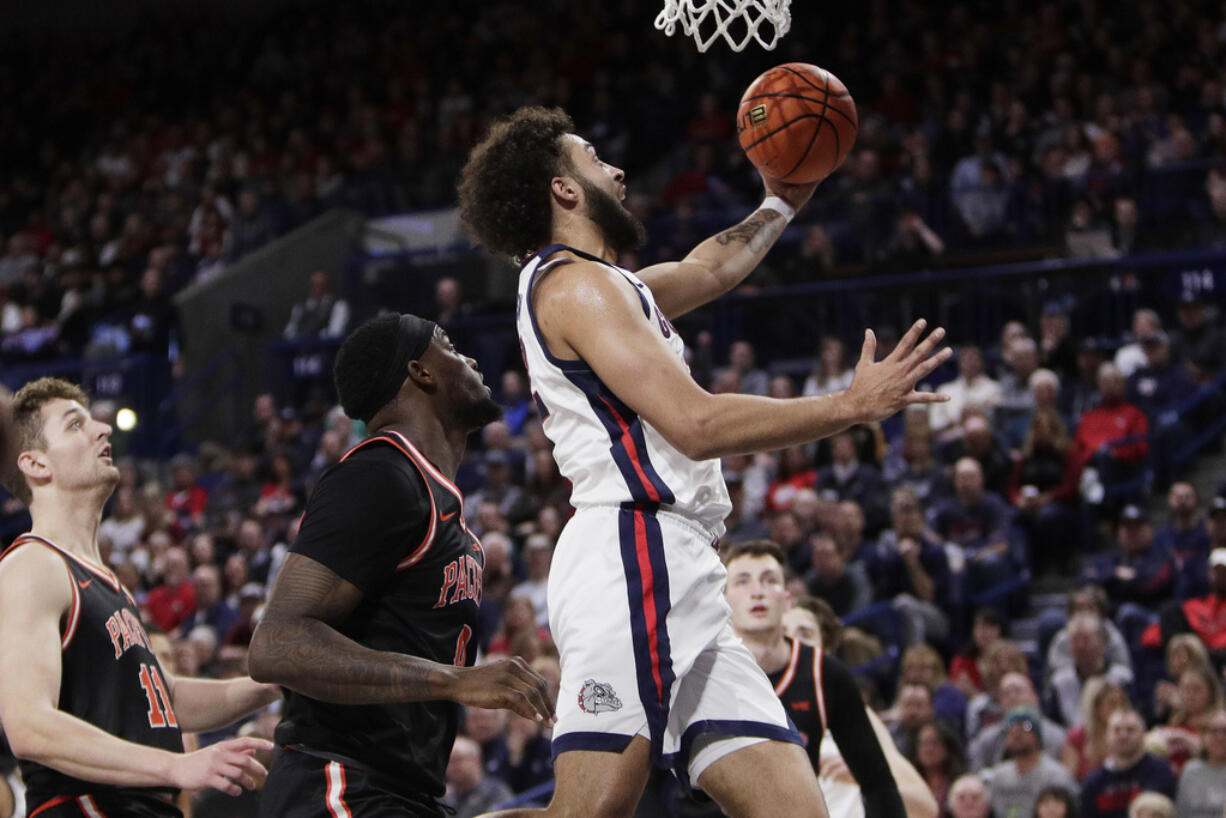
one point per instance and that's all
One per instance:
(371, 624)
(817, 690)
(85, 704)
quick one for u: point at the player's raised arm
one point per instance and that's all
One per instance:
(35, 594)
(297, 646)
(724, 260)
(598, 318)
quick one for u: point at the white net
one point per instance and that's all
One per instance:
(737, 21)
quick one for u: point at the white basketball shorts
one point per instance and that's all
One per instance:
(636, 607)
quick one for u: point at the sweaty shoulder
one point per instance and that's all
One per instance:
(573, 299)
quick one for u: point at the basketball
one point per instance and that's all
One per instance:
(797, 122)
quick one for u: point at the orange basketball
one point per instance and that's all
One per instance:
(797, 122)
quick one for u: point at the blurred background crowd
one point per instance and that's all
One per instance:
(1053, 538)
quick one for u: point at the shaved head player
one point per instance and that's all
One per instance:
(652, 672)
(370, 625)
(92, 714)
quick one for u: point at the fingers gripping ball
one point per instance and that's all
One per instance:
(797, 123)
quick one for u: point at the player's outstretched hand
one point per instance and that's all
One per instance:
(228, 766)
(881, 388)
(795, 195)
(506, 684)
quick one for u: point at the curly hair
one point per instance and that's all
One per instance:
(504, 186)
(27, 427)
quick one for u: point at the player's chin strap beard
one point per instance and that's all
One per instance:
(413, 338)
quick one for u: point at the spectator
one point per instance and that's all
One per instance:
(211, 608)
(1130, 357)
(990, 746)
(125, 524)
(1085, 748)
(1111, 436)
(250, 604)
(1040, 487)
(938, 759)
(254, 551)
(795, 472)
(912, 710)
(1090, 599)
(740, 527)
(969, 798)
(321, 315)
(174, 600)
(849, 479)
(909, 568)
(987, 626)
(1127, 772)
(1186, 538)
(1016, 399)
(830, 372)
(980, 442)
(913, 244)
(1183, 652)
(488, 728)
(979, 522)
(1081, 394)
(515, 401)
(916, 469)
(921, 664)
(187, 499)
(1015, 784)
(278, 495)
(1151, 805)
(1136, 572)
(469, 791)
(1001, 658)
(1057, 802)
(1200, 694)
(152, 321)
(498, 488)
(753, 381)
(1202, 785)
(537, 553)
(972, 387)
(1196, 342)
(845, 587)
(1160, 385)
(1057, 351)
(1088, 650)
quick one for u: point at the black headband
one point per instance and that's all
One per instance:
(413, 337)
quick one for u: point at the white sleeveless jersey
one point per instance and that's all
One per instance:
(610, 455)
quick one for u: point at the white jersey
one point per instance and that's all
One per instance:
(610, 455)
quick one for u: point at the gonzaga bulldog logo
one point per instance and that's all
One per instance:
(598, 697)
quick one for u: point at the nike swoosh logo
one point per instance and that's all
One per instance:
(83, 584)
(442, 518)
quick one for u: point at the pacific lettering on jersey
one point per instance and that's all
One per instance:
(126, 631)
(461, 580)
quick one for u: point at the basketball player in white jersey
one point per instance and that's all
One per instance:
(652, 672)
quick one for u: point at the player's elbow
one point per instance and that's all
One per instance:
(262, 661)
(26, 740)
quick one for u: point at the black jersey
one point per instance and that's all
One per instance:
(387, 521)
(819, 693)
(110, 678)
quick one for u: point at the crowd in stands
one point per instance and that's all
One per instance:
(914, 532)
(137, 169)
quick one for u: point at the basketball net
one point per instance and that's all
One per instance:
(707, 20)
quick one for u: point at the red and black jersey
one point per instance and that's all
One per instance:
(388, 521)
(819, 694)
(110, 678)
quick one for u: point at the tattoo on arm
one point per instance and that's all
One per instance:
(297, 645)
(757, 232)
